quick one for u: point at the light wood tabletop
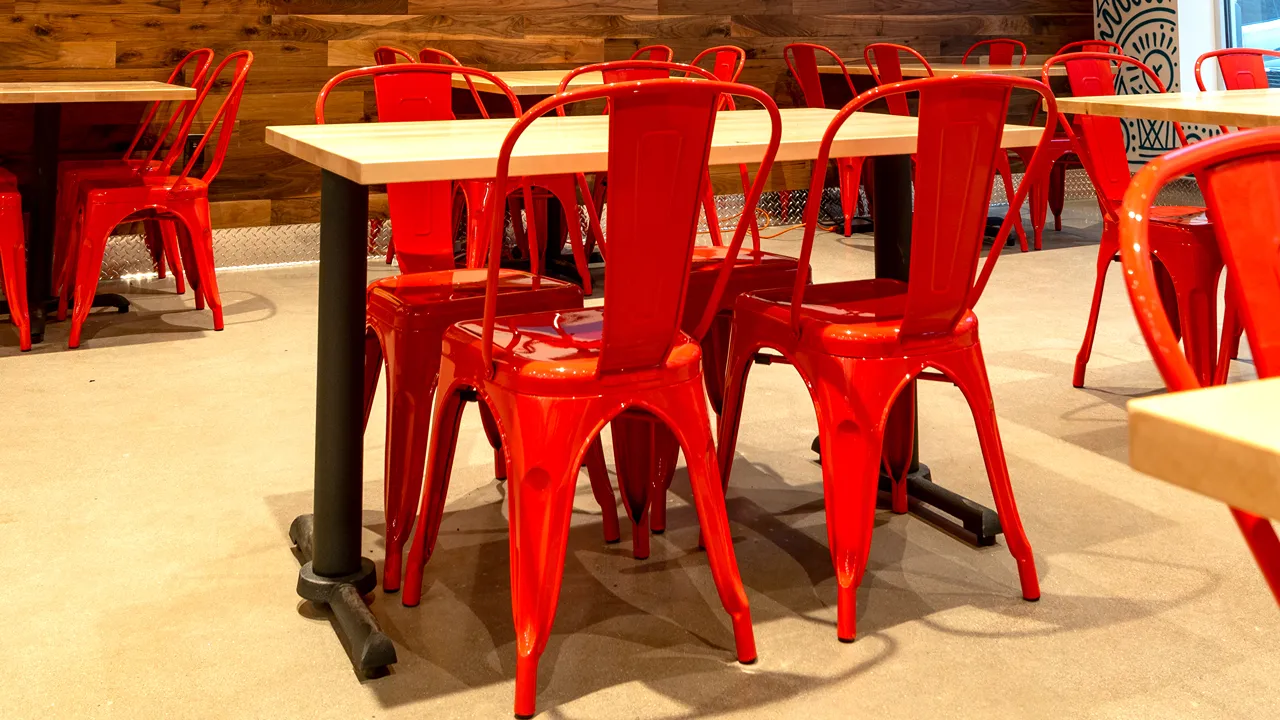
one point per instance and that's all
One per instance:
(858, 67)
(377, 153)
(29, 93)
(529, 82)
(1239, 108)
(1223, 442)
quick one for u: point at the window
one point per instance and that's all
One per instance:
(1255, 24)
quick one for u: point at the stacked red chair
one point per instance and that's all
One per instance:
(161, 238)
(1003, 51)
(1238, 174)
(1242, 69)
(1051, 195)
(553, 380)
(1181, 237)
(180, 198)
(802, 61)
(387, 55)
(859, 344)
(13, 258)
(408, 314)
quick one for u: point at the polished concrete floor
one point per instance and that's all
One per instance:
(150, 477)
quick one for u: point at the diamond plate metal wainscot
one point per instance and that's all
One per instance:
(276, 245)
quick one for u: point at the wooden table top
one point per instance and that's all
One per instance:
(377, 153)
(529, 82)
(1223, 442)
(28, 93)
(858, 67)
(1239, 108)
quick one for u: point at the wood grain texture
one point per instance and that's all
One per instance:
(301, 43)
(1223, 442)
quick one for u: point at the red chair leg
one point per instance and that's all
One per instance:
(155, 246)
(850, 172)
(172, 255)
(969, 373)
(685, 409)
(633, 445)
(709, 209)
(13, 270)
(410, 391)
(715, 353)
(1057, 192)
(755, 222)
(1005, 172)
(851, 421)
(189, 263)
(1106, 251)
(372, 369)
(598, 473)
(1232, 329)
(444, 440)
(96, 227)
(899, 443)
(195, 216)
(567, 194)
(596, 238)
(1261, 538)
(495, 441)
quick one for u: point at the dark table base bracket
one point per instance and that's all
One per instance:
(370, 650)
(976, 524)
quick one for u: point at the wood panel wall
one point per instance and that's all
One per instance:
(301, 43)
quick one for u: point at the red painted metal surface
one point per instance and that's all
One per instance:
(727, 62)
(71, 173)
(1181, 239)
(1239, 174)
(13, 258)
(859, 344)
(179, 204)
(660, 53)
(802, 61)
(553, 380)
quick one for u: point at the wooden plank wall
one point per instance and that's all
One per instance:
(301, 43)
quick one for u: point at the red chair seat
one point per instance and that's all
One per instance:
(860, 318)
(546, 353)
(435, 300)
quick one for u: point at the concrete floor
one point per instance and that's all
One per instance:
(149, 480)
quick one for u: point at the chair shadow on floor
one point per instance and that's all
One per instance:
(155, 314)
(658, 621)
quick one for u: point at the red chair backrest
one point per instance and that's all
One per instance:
(1239, 174)
(887, 68)
(434, 56)
(661, 53)
(1241, 68)
(387, 55)
(221, 125)
(1101, 46)
(1000, 51)
(659, 139)
(616, 71)
(1107, 162)
(802, 61)
(421, 212)
(727, 61)
(960, 129)
(202, 58)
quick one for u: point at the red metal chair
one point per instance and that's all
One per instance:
(408, 314)
(13, 258)
(1238, 174)
(553, 380)
(387, 55)
(1242, 69)
(858, 345)
(1003, 51)
(1182, 238)
(1051, 195)
(801, 59)
(160, 196)
(659, 53)
(727, 62)
(161, 238)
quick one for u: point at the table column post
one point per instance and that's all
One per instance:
(43, 206)
(335, 572)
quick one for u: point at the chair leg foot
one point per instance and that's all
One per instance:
(847, 614)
